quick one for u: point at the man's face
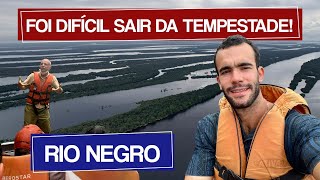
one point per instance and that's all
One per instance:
(45, 65)
(239, 78)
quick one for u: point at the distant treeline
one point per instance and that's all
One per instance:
(310, 73)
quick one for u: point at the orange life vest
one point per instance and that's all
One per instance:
(40, 93)
(110, 175)
(266, 158)
(19, 167)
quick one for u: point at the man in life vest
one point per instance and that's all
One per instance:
(261, 131)
(40, 85)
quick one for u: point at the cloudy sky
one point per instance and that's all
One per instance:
(8, 10)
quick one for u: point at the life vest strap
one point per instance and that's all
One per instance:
(38, 100)
(39, 93)
(225, 173)
(291, 175)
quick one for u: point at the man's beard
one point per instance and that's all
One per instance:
(43, 71)
(256, 90)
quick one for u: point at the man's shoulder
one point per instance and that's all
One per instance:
(301, 134)
(31, 74)
(54, 78)
(210, 120)
(52, 75)
(294, 115)
(297, 120)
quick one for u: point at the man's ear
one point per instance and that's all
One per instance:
(261, 73)
(218, 80)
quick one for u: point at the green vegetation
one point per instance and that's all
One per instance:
(137, 75)
(149, 111)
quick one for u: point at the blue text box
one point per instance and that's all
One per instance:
(150, 150)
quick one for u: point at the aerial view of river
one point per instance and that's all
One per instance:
(74, 111)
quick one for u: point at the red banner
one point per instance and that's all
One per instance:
(158, 24)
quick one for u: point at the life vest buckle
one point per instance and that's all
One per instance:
(228, 174)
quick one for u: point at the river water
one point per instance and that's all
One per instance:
(71, 112)
(74, 111)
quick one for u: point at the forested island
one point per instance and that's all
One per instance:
(310, 73)
(148, 112)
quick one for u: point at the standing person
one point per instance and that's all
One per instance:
(40, 85)
(261, 131)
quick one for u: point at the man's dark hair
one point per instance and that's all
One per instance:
(235, 40)
(97, 130)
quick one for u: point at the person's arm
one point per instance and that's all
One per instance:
(202, 160)
(316, 172)
(56, 87)
(302, 143)
(26, 83)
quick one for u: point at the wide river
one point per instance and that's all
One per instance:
(73, 111)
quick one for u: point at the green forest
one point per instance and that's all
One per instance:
(148, 112)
